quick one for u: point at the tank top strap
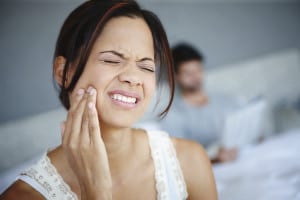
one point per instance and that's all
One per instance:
(170, 184)
(44, 178)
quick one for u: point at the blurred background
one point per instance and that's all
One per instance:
(251, 48)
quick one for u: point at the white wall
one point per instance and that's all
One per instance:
(226, 32)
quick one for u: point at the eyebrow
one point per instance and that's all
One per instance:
(122, 55)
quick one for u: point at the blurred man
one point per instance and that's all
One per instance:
(195, 114)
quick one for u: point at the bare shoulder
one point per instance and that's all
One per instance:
(21, 190)
(189, 150)
(196, 168)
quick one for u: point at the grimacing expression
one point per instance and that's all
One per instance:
(190, 75)
(121, 67)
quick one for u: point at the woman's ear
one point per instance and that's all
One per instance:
(58, 69)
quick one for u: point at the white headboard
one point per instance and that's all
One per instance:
(22, 139)
(275, 76)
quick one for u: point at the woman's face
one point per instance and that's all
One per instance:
(121, 68)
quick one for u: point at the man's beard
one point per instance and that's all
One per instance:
(191, 88)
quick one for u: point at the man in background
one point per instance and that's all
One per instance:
(195, 114)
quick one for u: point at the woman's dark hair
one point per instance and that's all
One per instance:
(83, 26)
(184, 52)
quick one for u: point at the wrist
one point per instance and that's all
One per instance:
(96, 191)
(96, 194)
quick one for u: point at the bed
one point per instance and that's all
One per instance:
(267, 171)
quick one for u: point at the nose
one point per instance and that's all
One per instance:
(130, 75)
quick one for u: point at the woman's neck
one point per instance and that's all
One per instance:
(119, 145)
(116, 139)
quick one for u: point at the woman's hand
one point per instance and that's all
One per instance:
(84, 147)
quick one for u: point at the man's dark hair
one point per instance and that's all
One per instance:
(184, 52)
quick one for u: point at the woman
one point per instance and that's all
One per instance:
(107, 57)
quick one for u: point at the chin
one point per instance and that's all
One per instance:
(120, 122)
(119, 119)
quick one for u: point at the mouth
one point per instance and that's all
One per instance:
(124, 99)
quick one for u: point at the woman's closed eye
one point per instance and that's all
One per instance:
(110, 58)
(148, 68)
(110, 61)
(146, 65)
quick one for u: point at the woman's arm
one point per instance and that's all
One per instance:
(197, 170)
(21, 190)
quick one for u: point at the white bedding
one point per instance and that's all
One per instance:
(269, 171)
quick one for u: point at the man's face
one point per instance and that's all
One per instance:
(190, 75)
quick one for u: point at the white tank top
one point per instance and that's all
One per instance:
(170, 184)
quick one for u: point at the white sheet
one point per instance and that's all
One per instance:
(269, 171)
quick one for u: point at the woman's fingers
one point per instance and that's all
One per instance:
(83, 144)
(76, 99)
(89, 120)
(82, 125)
(84, 134)
(77, 120)
(94, 126)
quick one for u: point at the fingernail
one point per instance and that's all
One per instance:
(89, 89)
(92, 91)
(90, 105)
(80, 92)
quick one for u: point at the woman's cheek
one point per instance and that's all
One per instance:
(84, 81)
(150, 89)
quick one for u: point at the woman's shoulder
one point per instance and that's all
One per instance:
(188, 152)
(196, 168)
(186, 146)
(49, 176)
(59, 163)
(25, 186)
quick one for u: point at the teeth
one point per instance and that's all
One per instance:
(123, 98)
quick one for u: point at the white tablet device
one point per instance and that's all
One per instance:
(244, 126)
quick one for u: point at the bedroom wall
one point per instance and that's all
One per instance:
(226, 32)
